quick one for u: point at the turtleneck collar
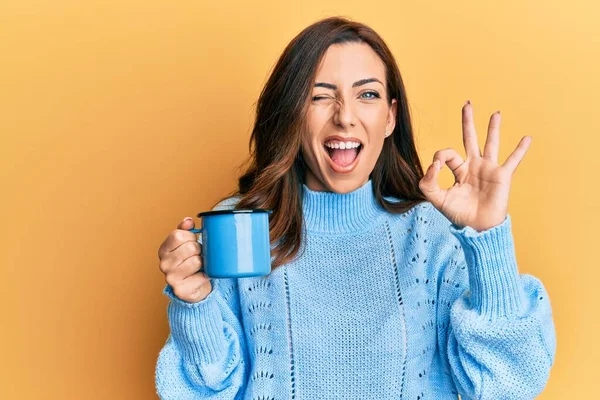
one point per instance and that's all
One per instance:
(331, 212)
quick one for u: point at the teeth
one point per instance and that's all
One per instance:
(342, 145)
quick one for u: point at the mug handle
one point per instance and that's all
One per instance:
(194, 230)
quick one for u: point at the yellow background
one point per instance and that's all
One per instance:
(119, 118)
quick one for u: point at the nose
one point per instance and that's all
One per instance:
(344, 114)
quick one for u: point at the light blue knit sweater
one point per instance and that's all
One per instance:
(379, 306)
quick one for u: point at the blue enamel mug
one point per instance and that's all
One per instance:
(235, 243)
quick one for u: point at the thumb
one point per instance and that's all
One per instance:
(429, 185)
(187, 223)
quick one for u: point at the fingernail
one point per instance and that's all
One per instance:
(437, 164)
(187, 218)
(468, 102)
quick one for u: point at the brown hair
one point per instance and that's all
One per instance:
(277, 170)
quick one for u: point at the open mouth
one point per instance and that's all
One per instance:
(343, 157)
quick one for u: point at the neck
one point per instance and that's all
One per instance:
(331, 212)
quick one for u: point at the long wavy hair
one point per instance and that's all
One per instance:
(273, 180)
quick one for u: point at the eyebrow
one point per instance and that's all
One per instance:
(355, 84)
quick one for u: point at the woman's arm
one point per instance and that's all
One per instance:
(495, 328)
(205, 355)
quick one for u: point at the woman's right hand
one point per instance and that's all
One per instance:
(180, 261)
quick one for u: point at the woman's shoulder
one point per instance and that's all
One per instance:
(227, 203)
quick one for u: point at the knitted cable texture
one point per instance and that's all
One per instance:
(378, 306)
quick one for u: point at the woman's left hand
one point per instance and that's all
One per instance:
(479, 196)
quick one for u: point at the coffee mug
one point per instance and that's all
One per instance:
(235, 243)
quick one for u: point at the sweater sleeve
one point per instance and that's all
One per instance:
(204, 356)
(496, 333)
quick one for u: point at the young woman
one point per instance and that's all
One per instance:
(383, 285)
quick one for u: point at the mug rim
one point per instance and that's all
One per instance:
(216, 212)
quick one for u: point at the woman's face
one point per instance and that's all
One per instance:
(348, 104)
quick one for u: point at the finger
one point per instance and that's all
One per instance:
(492, 143)
(430, 188)
(186, 250)
(513, 161)
(187, 223)
(187, 268)
(469, 134)
(177, 237)
(195, 280)
(191, 286)
(178, 256)
(449, 157)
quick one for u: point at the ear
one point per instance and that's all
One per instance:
(391, 120)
